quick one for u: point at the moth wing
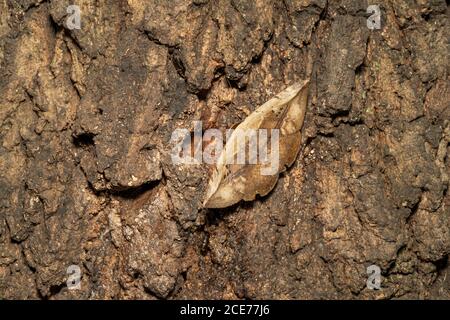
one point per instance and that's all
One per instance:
(231, 183)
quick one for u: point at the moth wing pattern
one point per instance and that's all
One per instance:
(230, 183)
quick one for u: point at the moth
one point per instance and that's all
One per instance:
(280, 120)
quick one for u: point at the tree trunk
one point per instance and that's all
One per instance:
(89, 190)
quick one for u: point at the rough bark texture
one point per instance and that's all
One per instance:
(86, 177)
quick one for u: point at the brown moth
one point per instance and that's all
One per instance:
(282, 117)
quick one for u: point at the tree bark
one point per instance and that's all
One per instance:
(86, 178)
